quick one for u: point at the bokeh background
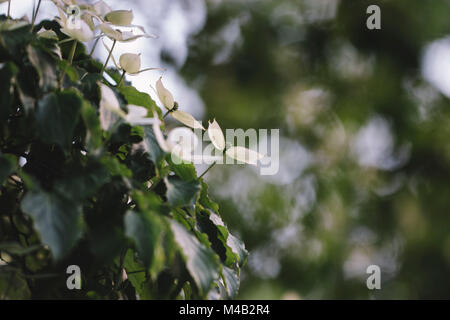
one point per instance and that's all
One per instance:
(364, 120)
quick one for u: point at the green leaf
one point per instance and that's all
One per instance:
(181, 193)
(185, 171)
(13, 286)
(7, 79)
(238, 248)
(115, 167)
(82, 183)
(201, 262)
(69, 70)
(92, 123)
(231, 280)
(152, 146)
(205, 201)
(135, 97)
(145, 229)
(136, 274)
(15, 41)
(7, 166)
(45, 66)
(57, 220)
(27, 87)
(17, 249)
(57, 116)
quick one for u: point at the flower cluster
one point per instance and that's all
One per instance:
(83, 22)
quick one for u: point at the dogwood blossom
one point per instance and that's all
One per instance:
(241, 154)
(166, 98)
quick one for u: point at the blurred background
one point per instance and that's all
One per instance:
(364, 119)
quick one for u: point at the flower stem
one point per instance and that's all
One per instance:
(93, 48)
(35, 14)
(206, 171)
(71, 55)
(166, 114)
(72, 52)
(109, 57)
(121, 79)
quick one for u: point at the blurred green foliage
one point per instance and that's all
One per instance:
(313, 69)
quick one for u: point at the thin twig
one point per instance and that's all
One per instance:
(206, 171)
(9, 9)
(109, 57)
(35, 14)
(121, 79)
(93, 47)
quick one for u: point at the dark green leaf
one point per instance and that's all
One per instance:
(201, 262)
(7, 79)
(231, 280)
(58, 221)
(13, 286)
(7, 166)
(181, 193)
(45, 66)
(92, 123)
(57, 116)
(145, 229)
(152, 146)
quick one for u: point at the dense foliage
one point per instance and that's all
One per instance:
(109, 201)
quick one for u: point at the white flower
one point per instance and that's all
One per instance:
(166, 98)
(121, 36)
(75, 28)
(241, 154)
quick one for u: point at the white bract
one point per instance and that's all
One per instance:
(120, 17)
(110, 110)
(130, 62)
(241, 154)
(166, 98)
(121, 36)
(180, 141)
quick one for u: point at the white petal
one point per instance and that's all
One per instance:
(130, 62)
(215, 134)
(159, 135)
(78, 30)
(120, 17)
(110, 32)
(107, 118)
(187, 119)
(47, 34)
(244, 155)
(101, 8)
(164, 95)
(109, 101)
